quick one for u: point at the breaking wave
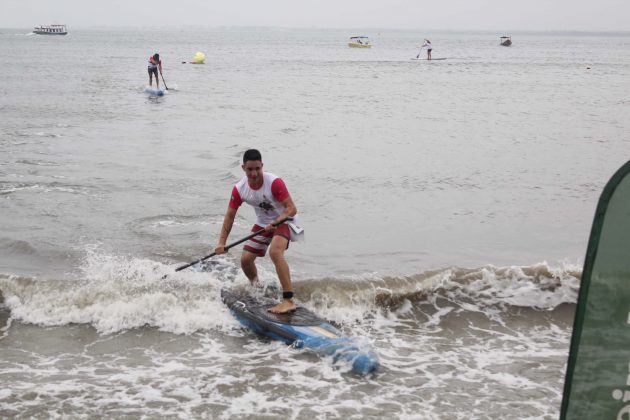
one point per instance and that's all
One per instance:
(119, 293)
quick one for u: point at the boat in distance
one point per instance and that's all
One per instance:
(359, 42)
(51, 30)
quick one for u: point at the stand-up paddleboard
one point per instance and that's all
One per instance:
(154, 92)
(426, 59)
(301, 328)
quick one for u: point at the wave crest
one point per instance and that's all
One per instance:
(119, 293)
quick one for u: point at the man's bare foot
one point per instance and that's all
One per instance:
(283, 307)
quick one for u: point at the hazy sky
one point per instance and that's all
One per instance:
(601, 15)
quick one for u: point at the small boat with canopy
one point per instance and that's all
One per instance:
(506, 41)
(359, 42)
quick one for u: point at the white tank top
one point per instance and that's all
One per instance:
(265, 205)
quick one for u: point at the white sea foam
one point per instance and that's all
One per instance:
(431, 353)
(433, 347)
(487, 290)
(119, 293)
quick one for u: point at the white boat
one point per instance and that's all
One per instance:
(51, 30)
(359, 42)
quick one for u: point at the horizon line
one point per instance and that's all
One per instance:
(314, 27)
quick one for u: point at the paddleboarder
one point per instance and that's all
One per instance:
(272, 203)
(155, 64)
(428, 46)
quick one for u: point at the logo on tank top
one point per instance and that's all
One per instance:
(266, 205)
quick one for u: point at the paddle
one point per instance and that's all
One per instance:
(163, 81)
(227, 247)
(418, 56)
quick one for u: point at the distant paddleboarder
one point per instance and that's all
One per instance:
(155, 64)
(272, 203)
(428, 46)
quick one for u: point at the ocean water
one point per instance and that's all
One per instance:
(447, 208)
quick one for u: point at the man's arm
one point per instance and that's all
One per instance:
(289, 211)
(228, 221)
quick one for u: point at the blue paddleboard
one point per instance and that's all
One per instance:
(154, 92)
(301, 328)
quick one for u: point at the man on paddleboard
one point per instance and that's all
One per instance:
(272, 203)
(154, 64)
(429, 47)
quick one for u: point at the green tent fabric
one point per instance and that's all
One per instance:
(597, 383)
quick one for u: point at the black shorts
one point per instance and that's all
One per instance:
(153, 70)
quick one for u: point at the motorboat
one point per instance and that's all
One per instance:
(359, 42)
(51, 30)
(506, 41)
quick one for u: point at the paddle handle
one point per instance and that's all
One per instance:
(233, 244)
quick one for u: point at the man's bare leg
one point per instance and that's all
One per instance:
(248, 264)
(276, 252)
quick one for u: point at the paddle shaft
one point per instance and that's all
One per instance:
(418, 56)
(163, 81)
(233, 244)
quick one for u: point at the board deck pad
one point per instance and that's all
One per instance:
(260, 308)
(299, 317)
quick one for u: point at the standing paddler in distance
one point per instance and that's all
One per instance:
(155, 64)
(428, 46)
(272, 203)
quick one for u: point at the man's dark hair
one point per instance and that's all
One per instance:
(251, 154)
